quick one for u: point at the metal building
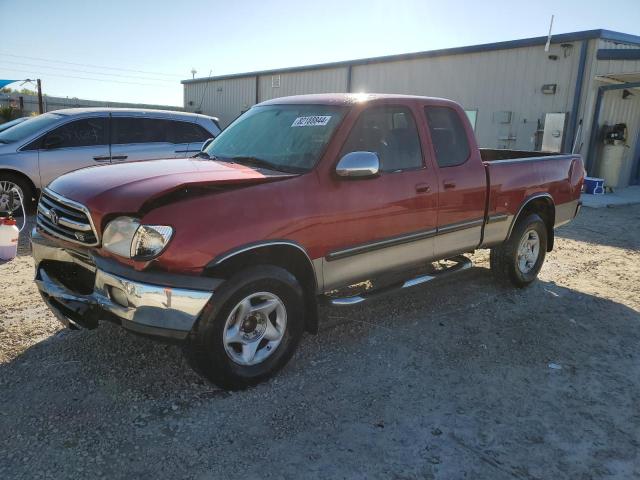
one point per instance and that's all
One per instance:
(510, 90)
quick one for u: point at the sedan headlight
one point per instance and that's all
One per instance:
(126, 237)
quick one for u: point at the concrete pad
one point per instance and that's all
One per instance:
(624, 196)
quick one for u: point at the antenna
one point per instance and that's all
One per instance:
(548, 44)
(193, 73)
(204, 91)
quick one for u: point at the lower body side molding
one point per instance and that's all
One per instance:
(460, 263)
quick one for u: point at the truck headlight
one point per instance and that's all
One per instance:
(126, 237)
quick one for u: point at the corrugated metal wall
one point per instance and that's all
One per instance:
(490, 82)
(328, 80)
(617, 66)
(225, 99)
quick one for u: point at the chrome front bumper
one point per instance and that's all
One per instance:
(151, 309)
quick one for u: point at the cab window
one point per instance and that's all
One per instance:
(448, 135)
(390, 132)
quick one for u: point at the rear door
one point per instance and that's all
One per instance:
(462, 181)
(138, 137)
(76, 144)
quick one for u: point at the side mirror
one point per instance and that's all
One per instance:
(53, 141)
(206, 143)
(359, 165)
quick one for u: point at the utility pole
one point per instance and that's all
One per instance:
(40, 107)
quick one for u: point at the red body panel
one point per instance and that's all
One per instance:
(318, 210)
(514, 182)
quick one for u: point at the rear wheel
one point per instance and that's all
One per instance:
(12, 188)
(519, 260)
(251, 328)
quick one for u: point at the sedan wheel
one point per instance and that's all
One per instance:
(10, 194)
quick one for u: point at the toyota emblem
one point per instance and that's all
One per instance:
(53, 216)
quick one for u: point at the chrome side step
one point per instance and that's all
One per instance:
(461, 263)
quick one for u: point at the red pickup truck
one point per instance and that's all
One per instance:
(338, 197)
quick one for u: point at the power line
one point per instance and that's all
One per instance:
(92, 66)
(85, 78)
(67, 69)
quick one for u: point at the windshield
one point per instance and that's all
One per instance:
(285, 137)
(29, 127)
(10, 124)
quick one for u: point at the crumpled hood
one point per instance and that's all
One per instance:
(127, 187)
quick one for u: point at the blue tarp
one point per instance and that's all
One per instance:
(4, 83)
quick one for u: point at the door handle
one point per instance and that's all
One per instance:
(102, 158)
(423, 188)
(119, 157)
(449, 184)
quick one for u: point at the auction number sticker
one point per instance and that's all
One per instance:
(312, 121)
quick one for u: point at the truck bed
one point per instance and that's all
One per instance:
(515, 176)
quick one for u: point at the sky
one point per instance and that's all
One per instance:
(139, 50)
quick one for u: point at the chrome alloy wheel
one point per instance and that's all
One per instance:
(10, 195)
(528, 251)
(255, 328)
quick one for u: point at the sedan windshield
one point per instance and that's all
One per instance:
(289, 138)
(29, 127)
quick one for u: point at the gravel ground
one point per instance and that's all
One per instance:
(457, 379)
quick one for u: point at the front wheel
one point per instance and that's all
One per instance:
(519, 259)
(250, 329)
(12, 188)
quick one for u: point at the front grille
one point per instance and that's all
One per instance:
(66, 219)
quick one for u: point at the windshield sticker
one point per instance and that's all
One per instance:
(312, 121)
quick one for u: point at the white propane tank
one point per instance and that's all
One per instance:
(612, 165)
(9, 233)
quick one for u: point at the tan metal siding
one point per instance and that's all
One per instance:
(604, 67)
(494, 81)
(328, 80)
(224, 99)
(610, 44)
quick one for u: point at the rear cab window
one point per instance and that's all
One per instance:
(448, 135)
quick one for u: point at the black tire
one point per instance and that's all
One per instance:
(504, 257)
(206, 348)
(24, 185)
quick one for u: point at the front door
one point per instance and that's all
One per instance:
(383, 223)
(462, 178)
(76, 144)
